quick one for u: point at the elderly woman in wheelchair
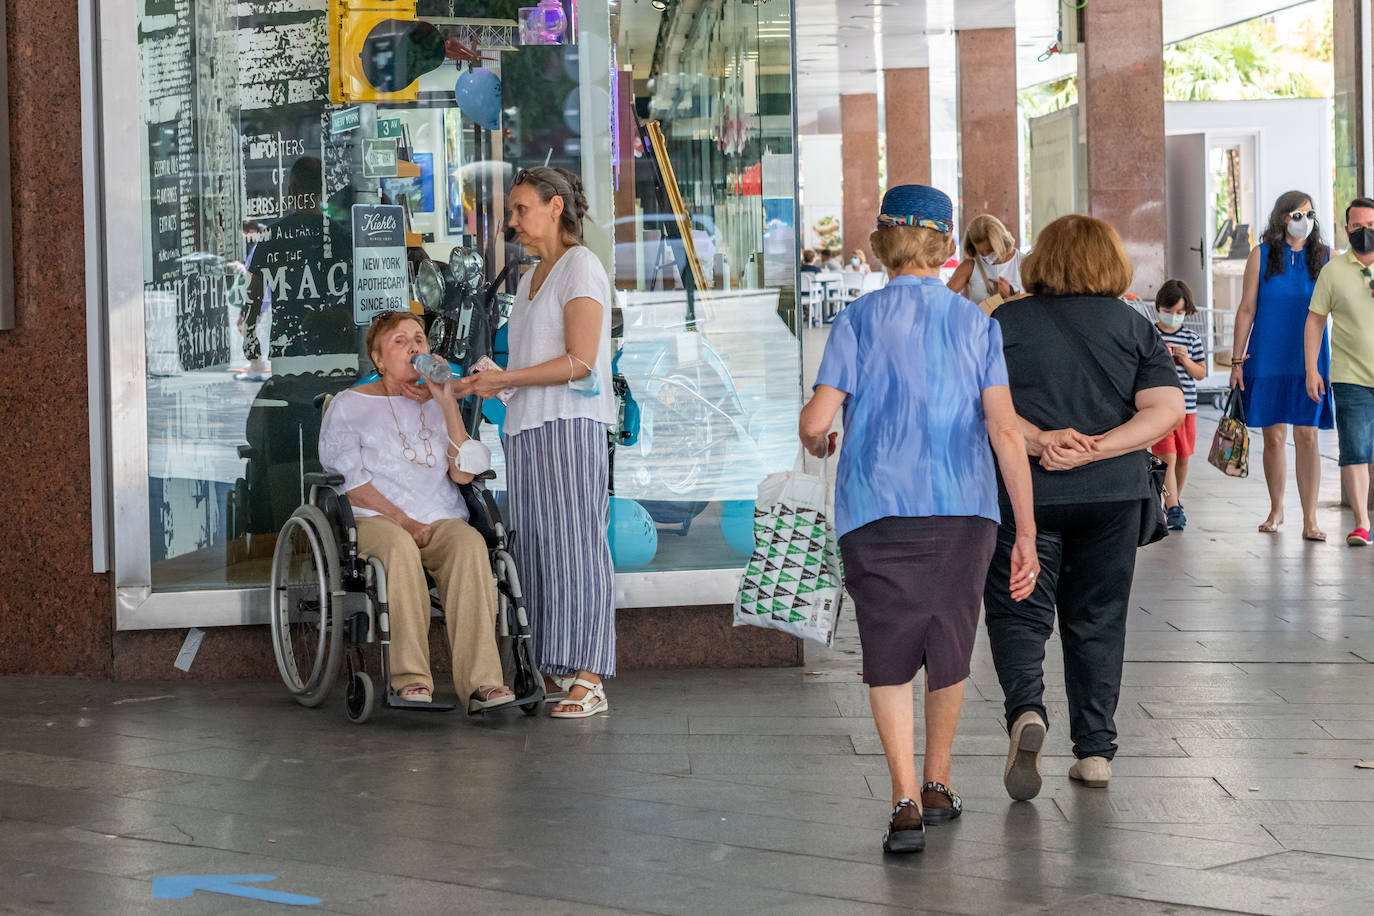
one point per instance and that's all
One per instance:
(402, 449)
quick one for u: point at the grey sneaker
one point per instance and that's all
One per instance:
(1022, 773)
(1093, 772)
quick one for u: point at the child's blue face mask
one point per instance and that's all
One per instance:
(588, 387)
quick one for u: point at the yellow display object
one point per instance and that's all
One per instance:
(350, 22)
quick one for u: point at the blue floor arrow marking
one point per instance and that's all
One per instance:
(176, 886)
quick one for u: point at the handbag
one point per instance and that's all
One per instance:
(1153, 521)
(1230, 452)
(794, 581)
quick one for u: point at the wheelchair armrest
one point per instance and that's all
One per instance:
(319, 479)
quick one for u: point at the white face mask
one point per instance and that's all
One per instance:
(1299, 229)
(473, 457)
(989, 259)
(1171, 320)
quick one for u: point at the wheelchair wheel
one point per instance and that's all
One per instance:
(307, 626)
(360, 699)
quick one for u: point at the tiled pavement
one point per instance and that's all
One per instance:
(1248, 701)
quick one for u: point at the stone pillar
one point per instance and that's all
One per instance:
(988, 161)
(859, 152)
(907, 109)
(1121, 91)
(1348, 147)
(625, 190)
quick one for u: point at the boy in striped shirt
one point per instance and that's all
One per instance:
(1173, 304)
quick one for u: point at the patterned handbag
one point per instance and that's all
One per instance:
(1230, 451)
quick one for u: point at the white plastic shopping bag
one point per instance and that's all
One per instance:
(794, 581)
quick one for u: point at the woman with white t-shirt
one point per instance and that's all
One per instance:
(400, 444)
(991, 264)
(557, 465)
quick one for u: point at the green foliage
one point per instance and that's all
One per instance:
(1245, 61)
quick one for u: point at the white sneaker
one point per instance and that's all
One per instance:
(1021, 776)
(1093, 772)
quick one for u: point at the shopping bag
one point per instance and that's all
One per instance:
(1230, 452)
(794, 580)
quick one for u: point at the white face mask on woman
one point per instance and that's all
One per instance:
(990, 258)
(1299, 229)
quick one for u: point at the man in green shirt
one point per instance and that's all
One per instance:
(1345, 294)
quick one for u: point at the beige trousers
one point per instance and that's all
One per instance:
(457, 558)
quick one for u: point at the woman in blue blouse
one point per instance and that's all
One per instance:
(920, 374)
(1268, 362)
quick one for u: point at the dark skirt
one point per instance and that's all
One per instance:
(917, 585)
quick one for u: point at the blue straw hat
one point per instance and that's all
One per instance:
(917, 205)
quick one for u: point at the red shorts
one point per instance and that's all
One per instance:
(1181, 441)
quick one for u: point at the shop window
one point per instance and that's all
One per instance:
(268, 129)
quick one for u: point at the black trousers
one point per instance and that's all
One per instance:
(1087, 559)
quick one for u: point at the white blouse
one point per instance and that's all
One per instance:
(359, 439)
(536, 336)
(1009, 270)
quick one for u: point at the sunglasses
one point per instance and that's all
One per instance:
(1300, 214)
(1369, 278)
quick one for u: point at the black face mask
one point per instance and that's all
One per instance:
(1362, 240)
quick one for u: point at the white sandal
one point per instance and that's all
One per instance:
(564, 681)
(594, 692)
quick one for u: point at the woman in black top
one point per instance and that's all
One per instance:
(1065, 344)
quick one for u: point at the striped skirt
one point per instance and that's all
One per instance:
(558, 477)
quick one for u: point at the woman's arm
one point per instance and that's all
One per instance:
(582, 324)
(1008, 443)
(1037, 440)
(1159, 411)
(1245, 318)
(817, 417)
(962, 274)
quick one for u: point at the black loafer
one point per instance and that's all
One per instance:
(906, 832)
(938, 804)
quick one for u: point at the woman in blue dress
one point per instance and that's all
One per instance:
(1268, 364)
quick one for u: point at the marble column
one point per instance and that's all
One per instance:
(1348, 146)
(907, 110)
(625, 189)
(1121, 94)
(988, 158)
(859, 157)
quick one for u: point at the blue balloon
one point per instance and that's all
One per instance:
(634, 539)
(737, 524)
(478, 94)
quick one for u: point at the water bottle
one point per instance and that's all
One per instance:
(431, 367)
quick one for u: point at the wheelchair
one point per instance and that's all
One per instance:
(327, 603)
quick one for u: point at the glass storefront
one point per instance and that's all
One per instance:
(275, 137)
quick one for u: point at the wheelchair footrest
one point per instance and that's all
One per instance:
(395, 702)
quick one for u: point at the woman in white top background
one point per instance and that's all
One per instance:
(557, 464)
(400, 445)
(992, 262)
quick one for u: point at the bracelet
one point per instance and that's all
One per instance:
(570, 367)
